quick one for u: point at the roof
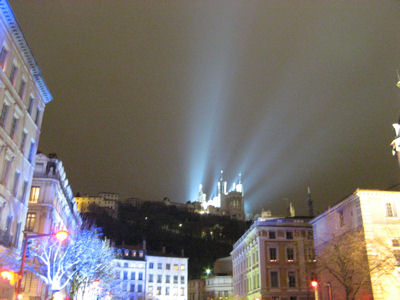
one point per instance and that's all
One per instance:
(16, 32)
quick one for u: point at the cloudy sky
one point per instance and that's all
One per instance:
(152, 98)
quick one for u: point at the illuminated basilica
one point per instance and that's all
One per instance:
(224, 203)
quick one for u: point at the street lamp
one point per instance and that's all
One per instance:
(314, 284)
(59, 235)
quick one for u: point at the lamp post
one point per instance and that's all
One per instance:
(60, 236)
(314, 284)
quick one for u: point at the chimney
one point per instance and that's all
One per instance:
(164, 251)
(182, 252)
(144, 244)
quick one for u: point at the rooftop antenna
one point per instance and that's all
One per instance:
(310, 203)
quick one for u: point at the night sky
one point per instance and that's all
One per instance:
(152, 98)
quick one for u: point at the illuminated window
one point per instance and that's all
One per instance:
(3, 57)
(158, 292)
(30, 221)
(176, 268)
(4, 114)
(274, 279)
(35, 191)
(290, 254)
(175, 291)
(292, 279)
(273, 255)
(13, 73)
(182, 267)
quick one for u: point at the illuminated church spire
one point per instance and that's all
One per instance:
(222, 184)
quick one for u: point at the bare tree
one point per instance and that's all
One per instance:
(345, 258)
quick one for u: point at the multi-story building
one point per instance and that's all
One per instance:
(51, 208)
(23, 96)
(196, 289)
(374, 215)
(151, 277)
(130, 268)
(106, 201)
(274, 260)
(220, 285)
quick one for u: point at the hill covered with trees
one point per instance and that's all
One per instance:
(203, 238)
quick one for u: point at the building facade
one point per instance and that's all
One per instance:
(51, 208)
(23, 97)
(151, 277)
(274, 260)
(107, 202)
(375, 215)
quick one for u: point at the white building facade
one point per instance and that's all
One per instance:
(23, 96)
(151, 277)
(376, 214)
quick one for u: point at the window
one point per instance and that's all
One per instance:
(23, 140)
(150, 277)
(182, 291)
(14, 126)
(167, 278)
(272, 235)
(13, 73)
(293, 298)
(125, 275)
(17, 234)
(35, 191)
(273, 255)
(292, 279)
(175, 291)
(182, 267)
(21, 90)
(132, 287)
(3, 57)
(341, 219)
(31, 152)
(176, 268)
(133, 276)
(16, 183)
(30, 221)
(24, 190)
(126, 254)
(395, 243)
(158, 291)
(30, 104)
(182, 279)
(6, 170)
(390, 211)
(290, 254)
(159, 278)
(396, 254)
(140, 287)
(168, 266)
(151, 265)
(140, 276)
(37, 118)
(167, 291)
(274, 279)
(159, 266)
(175, 279)
(289, 235)
(4, 114)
